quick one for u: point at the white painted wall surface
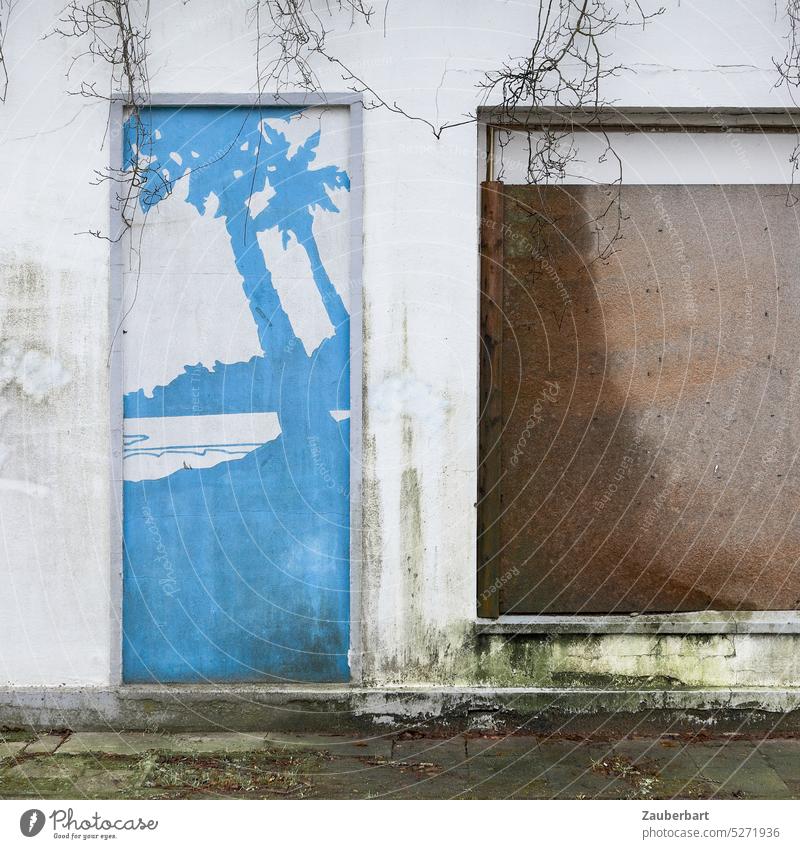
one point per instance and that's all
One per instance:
(420, 300)
(661, 158)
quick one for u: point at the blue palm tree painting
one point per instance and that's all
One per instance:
(236, 490)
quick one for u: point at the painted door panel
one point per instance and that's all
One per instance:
(236, 406)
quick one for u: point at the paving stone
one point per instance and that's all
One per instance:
(578, 781)
(653, 769)
(499, 778)
(739, 769)
(44, 776)
(68, 778)
(506, 767)
(8, 750)
(106, 742)
(678, 766)
(674, 756)
(417, 769)
(574, 770)
(20, 735)
(703, 770)
(433, 762)
(507, 787)
(559, 752)
(671, 760)
(685, 788)
(446, 752)
(510, 747)
(135, 743)
(783, 756)
(44, 744)
(106, 765)
(231, 741)
(349, 778)
(450, 784)
(107, 784)
(366, 746)
(353, 778)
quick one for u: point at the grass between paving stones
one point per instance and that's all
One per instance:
(281, 770)
(16, 735)
(420, 769)
(643, 777)
(161, 775)
(645, 780)
(252, 774)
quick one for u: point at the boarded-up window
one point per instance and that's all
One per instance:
(641, 413)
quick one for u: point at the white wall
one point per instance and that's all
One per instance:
(661, 158)
(420, 299)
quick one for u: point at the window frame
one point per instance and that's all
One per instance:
(489, 620)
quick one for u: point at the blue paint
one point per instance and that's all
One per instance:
(240, 572)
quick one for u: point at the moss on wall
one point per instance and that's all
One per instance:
(639, 661)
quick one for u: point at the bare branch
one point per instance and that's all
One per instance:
(788, 69)
(565, 69)
(115, 33)
(6, 7)
(290, 33)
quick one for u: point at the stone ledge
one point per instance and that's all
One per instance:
(703, 622)
(337, 708)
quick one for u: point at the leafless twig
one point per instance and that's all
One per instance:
(564, 70)
(788, 69)
(566, 67)
(115, 34)
(6, 7)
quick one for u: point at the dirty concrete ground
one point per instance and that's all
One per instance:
(99, 765)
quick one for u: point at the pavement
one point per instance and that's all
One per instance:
(108, 765)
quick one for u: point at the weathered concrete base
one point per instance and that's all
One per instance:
(339, 708)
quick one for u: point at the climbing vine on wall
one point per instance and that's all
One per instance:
(114, 34)
(565, 67)
(568, 62)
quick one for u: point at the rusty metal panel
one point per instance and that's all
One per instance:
(650, 401)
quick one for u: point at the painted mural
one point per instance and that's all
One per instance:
(236, 406)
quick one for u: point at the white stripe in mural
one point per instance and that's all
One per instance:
(157, 447)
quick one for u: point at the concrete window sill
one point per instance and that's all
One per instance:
(701, 622)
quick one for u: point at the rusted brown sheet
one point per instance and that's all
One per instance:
(491, 410)
(651, 403)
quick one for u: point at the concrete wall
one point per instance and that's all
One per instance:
(417, 579)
